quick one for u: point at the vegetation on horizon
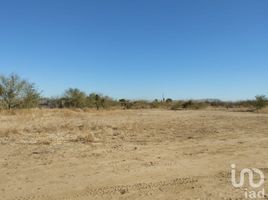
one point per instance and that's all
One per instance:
(16, 92)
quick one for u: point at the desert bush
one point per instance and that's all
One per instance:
(187, 104)
(125, 104)
(16, 92)
(260, 102)
(169, 100)
(74, 98)
(176, 105)
(214, 102)
(31, 98)
(200, 105)
(53, 102)
(95, 101)
(247, 103)
(99, 101)
(140, 104)
(110, 102)
(155, 104)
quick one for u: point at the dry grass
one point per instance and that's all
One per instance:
(142, 154)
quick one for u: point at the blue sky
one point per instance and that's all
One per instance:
(138, 48)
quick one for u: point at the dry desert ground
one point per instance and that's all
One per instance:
(128, 154)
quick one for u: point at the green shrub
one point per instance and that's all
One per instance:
(16, 92)
(74, 98)
(260, 102)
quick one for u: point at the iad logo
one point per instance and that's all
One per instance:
(249, 194)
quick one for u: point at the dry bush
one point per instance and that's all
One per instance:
(176, 106)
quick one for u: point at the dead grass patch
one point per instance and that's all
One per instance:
(7, 132)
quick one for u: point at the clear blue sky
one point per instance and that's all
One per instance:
(138, 48)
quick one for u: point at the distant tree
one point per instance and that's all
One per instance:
(108, 102)
(169, 100)
(177, 105)
(126, 104)
(187, 104)
(31, 96)
(122, 100)
(155, 103)
(16, 92)
(260, 102)
(75, 98)
(96, 100)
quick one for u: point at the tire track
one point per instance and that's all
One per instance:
(115, 189)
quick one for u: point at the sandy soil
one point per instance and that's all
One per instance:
(142, 154)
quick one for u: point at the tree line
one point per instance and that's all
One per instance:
(16, 92)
